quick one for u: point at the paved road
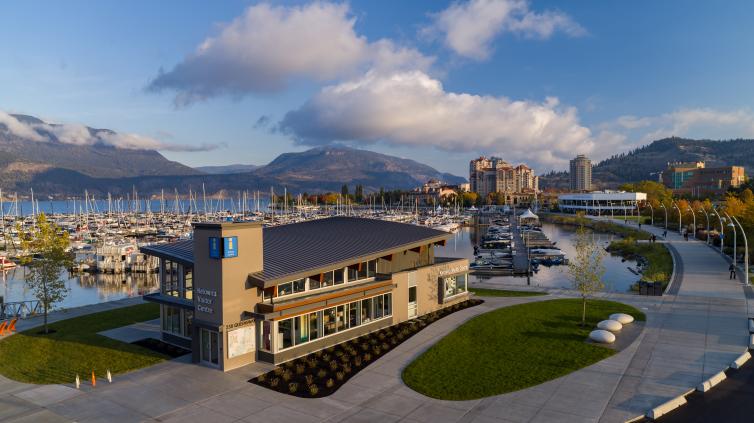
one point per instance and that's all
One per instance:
(688, 337)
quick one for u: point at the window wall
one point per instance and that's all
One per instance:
(454, 285)
(352, 273)
(177, 280)
(177, 321)
(308, 327)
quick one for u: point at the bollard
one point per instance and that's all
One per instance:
(94, 380)
(78, 382)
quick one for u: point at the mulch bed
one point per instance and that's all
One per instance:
(323, 372)
(156, 345)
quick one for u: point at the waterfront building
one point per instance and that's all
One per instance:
(695, 179)
(434, 192)
(581, 174)
(239, 292)
(518, 184)
(601, 202)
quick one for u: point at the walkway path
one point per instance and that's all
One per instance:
(688, 337)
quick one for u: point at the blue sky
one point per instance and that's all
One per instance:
(435, 81)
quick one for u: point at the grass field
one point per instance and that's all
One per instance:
(75, 348)
(512, 348)
(484, 292)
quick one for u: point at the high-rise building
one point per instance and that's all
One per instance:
(495, 175)
(581, 173)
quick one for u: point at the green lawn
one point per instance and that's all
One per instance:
(75, 348)
(512, 348)
(484, 292)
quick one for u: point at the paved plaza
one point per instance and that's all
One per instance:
(690, 334)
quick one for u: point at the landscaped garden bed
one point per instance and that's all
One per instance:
(321, 373)
(654, 260)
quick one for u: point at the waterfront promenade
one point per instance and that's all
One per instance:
(692, 332)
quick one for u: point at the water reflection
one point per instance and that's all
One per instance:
(84, 288)
(618, 277)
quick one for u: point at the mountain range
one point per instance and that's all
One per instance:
(646, 163)
(53, 167)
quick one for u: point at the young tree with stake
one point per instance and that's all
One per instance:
(48, 243)
(586, 268)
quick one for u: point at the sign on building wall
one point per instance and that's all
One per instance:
(241, 341)
(226, 247)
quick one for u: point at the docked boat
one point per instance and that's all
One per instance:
(6, 264)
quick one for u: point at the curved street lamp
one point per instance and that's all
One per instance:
(746, 251)
(653, 212)
(680, 222)
(693, 235)
(707, 216)
(732, 226)
(666, 215)
(722, 229)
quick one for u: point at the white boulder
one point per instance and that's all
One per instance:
(622, 318)
(611, 325)
(602, 336)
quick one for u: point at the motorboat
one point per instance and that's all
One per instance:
(6, 264)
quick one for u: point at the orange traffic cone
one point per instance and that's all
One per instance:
(94, 380)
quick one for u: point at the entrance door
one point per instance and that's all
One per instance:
(412, 306)
(210, 347)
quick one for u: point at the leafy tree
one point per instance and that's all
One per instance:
(46, 245)
(586, 268)
(359, 193)
(344, 190)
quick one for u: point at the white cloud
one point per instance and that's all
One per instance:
(266, 47)
(411, 108)
(468, 28)
(78, 134)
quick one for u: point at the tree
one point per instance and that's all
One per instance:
(586, 268)
(344, 190)
(359, 193)
(46, 257)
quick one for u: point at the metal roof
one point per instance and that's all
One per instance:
(292, 249)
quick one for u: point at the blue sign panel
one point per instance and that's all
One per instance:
(230, 247)
(214, 247)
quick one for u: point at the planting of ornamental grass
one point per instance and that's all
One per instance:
(321, 373)
(512, 348)
(74, 347)
(655, 260)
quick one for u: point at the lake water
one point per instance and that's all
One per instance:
(617, 276)
(84, 289)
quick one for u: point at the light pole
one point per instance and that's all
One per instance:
(746, 252)
(666, 215)
(680, 222)
(733, 226)
(707, 216)
(651, 209)
(722, 229)
(694, 216)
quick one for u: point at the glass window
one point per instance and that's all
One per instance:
(455, 285)
(339, 276)
(341, 316)
(353, 272)
(170, 279)
(314, 319)
(379, 303)
(285, 289)
(328, 321)
(327, 279)
(299, 285)
(353, 314)
(188, 282)
(267, 293)
(301, 328)
(362, 270)
(388, 304)
(371, 268)
(188, 321)
(366, 310)
(285, 333)
(412, 294)
(314, 282)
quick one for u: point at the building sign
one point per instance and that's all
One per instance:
(205, 300)
(453, 270)
(241, 341)
(226, 247)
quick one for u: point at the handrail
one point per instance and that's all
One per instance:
(20, 309)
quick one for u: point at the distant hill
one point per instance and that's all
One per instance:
(52, 167)
(227, 169)
(646, 162)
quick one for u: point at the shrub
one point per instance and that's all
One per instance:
(333, 365)
(274, 382)
(300, 368)
(376, 350)
(381, 336)
(357, 361)
(345, 359)
(313, 363)
(313, 389)
(338, 353)
(365, 346)
(326, 357)
(279, 371)
(322, 373)
(309, 379)
(330, 383)
(318, 353)
(347, 369)
(330, 349)
(367, 357)
(288, 364)
(340, 375)
(287, 375)
(261, 378)
(293, 387)
(373, 341)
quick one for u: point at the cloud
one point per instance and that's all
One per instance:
(469, 28)
(262, 50)
(35, 130)
(413, 109)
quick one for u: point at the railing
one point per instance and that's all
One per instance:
(20, 309)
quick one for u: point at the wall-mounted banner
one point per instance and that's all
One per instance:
(226, 247)
(215, 251)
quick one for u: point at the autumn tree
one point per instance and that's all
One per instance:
(585, 268)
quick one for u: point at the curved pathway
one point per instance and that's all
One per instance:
(689, 335)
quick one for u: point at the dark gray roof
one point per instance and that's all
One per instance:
(180, 251)
(312, 245)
